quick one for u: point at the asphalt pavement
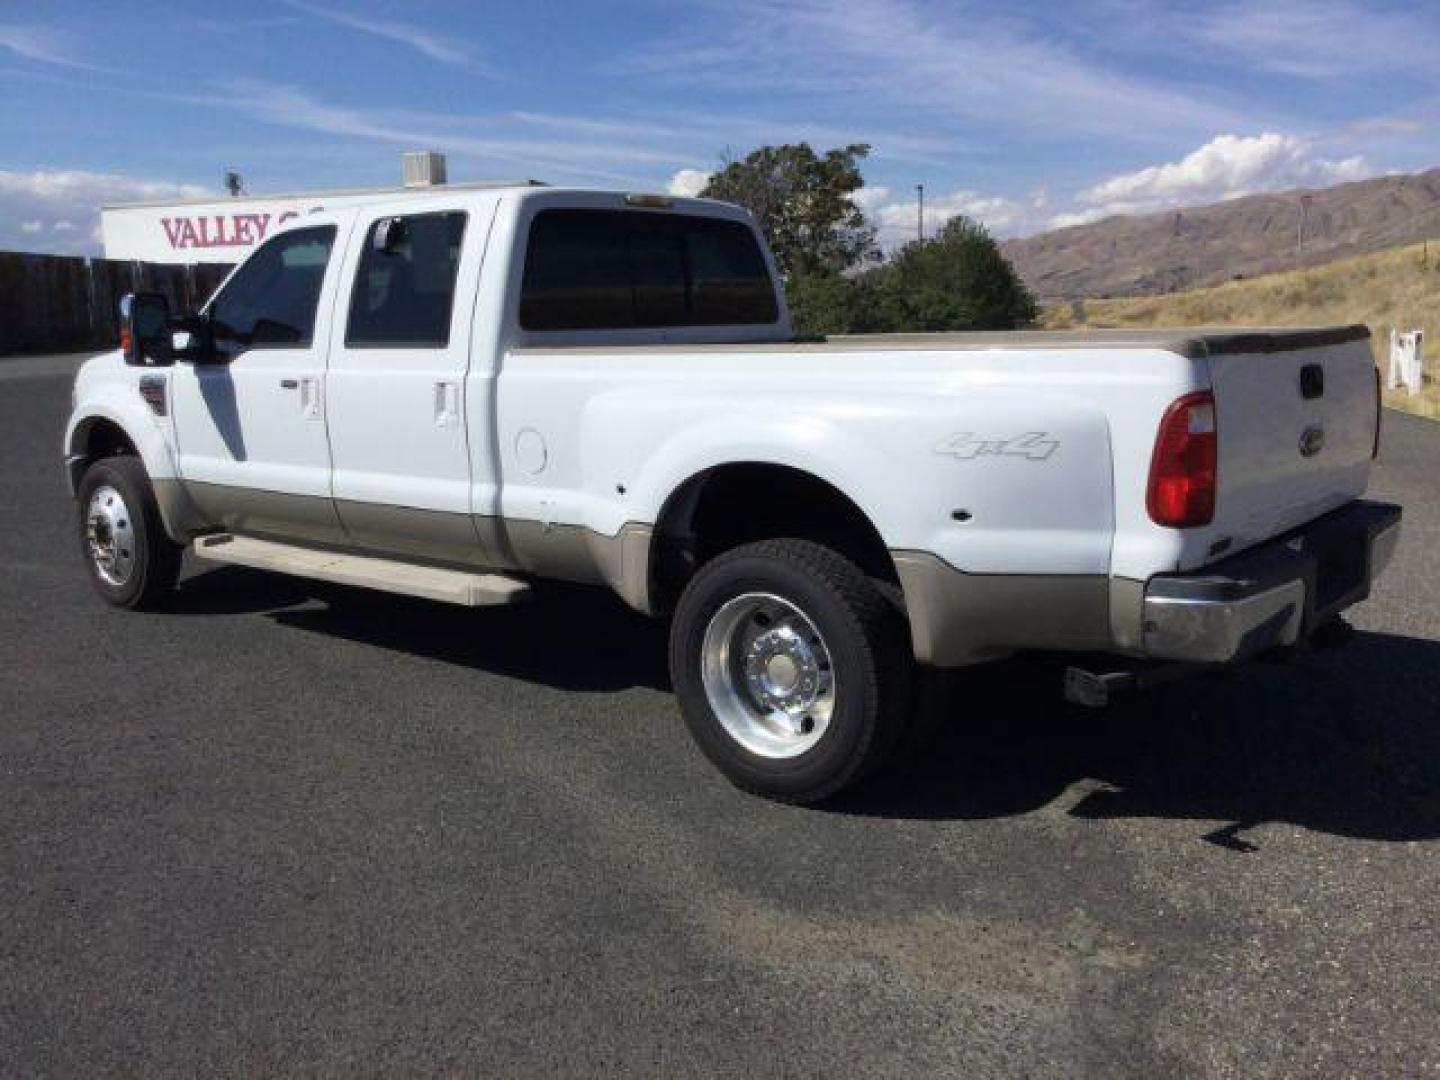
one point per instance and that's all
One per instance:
(286, 828)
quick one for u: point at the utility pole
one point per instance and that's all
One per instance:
(920, 212)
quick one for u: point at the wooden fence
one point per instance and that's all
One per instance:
(64, 303)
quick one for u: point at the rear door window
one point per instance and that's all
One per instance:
(405, 286)
(617, 270)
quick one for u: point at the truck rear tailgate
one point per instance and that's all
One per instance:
(1295, 417)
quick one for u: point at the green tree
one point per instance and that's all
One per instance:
(957, 281)
(805, 205)
(823, 304)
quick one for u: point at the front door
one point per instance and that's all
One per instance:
(250, 427)
(395, 385)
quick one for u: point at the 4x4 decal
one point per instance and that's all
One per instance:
(1033, 445)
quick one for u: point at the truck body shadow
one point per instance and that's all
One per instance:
(1345, 741)
(568, 637)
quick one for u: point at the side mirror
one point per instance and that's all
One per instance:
(145, 330)
(193, 338)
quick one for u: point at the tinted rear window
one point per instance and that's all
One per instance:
(404, 293)
(620, 270)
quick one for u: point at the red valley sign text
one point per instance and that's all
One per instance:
(220, 230)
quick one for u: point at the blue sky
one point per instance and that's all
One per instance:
(1027, 115)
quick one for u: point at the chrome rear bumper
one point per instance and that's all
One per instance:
(1273, 595)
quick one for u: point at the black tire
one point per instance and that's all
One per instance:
(154, 557)
(868, 646)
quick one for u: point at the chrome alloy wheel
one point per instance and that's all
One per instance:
(768, 676)
(110, 536)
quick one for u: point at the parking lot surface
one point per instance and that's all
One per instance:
(289, 828)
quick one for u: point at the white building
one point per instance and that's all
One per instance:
(225, 230)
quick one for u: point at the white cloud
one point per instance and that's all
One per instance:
(1226, 167)
(871, 198)
(1077, 217)
(897, 220)
(688, 182)
(57, 211)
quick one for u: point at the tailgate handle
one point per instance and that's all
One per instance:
(1312, 381)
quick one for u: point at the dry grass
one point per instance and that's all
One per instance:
(1389, 288)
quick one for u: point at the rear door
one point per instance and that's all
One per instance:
(250, 429)
(1295, 429)
(396, 381)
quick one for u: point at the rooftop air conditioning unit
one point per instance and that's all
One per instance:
(424, 168)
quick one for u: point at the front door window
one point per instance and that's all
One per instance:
(271, 300)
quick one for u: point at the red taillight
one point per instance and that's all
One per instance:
(1375, 446)
(125, 340)
(1182, 470)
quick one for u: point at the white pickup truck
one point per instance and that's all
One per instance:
(450, 394)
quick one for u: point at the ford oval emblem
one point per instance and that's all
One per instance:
(1311, 440)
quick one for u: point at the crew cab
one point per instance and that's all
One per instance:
(454, 393)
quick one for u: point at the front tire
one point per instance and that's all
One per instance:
(131, 561)
(792, 669)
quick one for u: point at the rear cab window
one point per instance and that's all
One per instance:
(631, 270)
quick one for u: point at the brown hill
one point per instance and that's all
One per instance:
(1399, 289)
(1205, 245)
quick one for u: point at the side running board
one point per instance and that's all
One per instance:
(462, 587)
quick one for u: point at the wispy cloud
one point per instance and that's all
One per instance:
(628, 150)
(43, 46)
(1327, 40)
(423, 41)
(956, 63)
(579, 156)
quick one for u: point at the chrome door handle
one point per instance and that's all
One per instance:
(447, 404)
(310, 398)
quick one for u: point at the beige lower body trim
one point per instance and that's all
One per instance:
(181, 517)
(566, 552)
(955, 618)
(426, 534)
(958, 618)
(251, 512)
(574, 553)
(1127, 614)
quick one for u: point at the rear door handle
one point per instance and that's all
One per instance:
(310, 406)
(447, 404)
(289, 384)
